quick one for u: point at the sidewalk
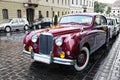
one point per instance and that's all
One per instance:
(110, 69)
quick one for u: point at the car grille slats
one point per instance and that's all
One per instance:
(46, 43)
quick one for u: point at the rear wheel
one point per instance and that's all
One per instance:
(7, 29)
(82, 59)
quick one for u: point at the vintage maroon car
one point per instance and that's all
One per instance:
(71, 42)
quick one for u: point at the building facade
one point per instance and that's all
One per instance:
(115, 11)
(79, 6)
(34, 9)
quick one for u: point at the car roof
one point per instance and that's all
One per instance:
(89, 14)
(110, 17)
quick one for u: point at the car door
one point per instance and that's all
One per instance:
(14, 24)
(100, 35)
(21, 23)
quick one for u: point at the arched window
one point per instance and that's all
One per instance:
(47, 13)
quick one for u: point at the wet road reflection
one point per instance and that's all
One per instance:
(13, 36)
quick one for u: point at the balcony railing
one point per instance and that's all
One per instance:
(31, 1)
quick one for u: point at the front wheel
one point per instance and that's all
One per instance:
(26, 27)
(82, 59)
(7, 29)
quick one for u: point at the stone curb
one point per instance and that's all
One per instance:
(110, 69)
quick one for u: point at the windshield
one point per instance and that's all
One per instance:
(6, 21)
(76, 19)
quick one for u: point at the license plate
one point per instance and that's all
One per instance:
(42, 58)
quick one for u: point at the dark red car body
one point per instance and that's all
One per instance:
(78, 41)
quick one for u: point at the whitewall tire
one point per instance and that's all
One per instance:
(82, 59)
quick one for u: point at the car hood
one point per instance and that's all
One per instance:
(56, 31)
(3, 24)
(62, 29)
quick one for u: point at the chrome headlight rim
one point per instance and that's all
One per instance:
(59, 41)
(34, 38)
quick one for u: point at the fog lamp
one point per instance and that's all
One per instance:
(30, 48)
(62, 54)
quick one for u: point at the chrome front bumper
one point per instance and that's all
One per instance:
(48, 59)
(26, 52)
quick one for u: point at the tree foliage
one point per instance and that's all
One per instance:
(99, 7)
(108, 10)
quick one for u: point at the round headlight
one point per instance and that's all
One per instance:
(34, 38)
(59, 41)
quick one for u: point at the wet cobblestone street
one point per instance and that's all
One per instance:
(14, 65)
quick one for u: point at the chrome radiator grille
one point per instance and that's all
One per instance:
(46, 43)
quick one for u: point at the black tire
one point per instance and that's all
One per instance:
(26, 27)
(82, 59)
(7, 29)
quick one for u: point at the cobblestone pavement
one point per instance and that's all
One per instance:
(14, 65)
(110, 69)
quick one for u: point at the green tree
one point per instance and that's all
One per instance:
(108, 10)
(96, 6)
(99, 7)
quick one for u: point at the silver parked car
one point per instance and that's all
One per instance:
(113, 26)
(14, 24)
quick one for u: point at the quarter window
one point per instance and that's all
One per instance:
(103, 20)
(97, 21)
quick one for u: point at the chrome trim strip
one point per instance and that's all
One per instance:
(63, 61)
(26, 52)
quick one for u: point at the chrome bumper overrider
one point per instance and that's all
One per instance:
(48, 59)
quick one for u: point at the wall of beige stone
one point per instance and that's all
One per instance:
(14, 6)
(43, 10)
(12, 9)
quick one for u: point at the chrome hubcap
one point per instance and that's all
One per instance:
(81, 58)
(7, 29)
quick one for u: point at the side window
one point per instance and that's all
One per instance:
(97, 21)
(103, 20)
(21, 20)
(15, 21)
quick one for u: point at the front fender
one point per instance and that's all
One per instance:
(72, 45)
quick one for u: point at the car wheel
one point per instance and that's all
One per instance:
(7, 29)
(39, 26)
(26, 27)
(82, 59)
